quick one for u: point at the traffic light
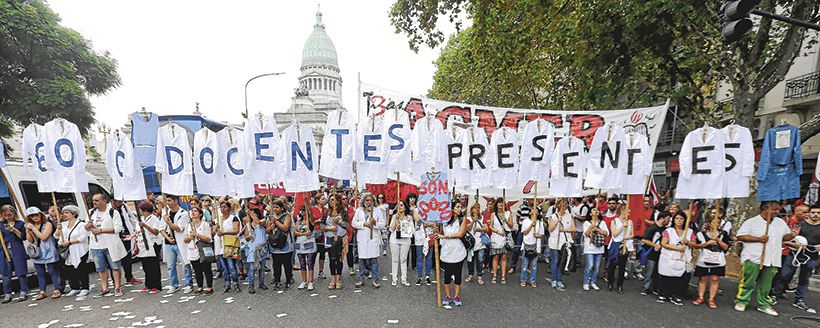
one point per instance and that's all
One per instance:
(736, 22)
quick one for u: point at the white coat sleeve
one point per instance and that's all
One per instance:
(685, 158)
(748, 152)
(159, 162)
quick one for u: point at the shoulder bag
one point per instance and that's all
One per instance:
(508, 245)
(278, 238)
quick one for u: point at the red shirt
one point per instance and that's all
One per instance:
(608, 220)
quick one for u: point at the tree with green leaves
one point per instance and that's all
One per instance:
(603, 54)
(47, 70)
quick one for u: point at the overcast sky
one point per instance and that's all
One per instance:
(173, 53)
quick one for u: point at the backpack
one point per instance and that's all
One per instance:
(278, 238)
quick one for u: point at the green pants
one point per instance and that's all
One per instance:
(753, 279)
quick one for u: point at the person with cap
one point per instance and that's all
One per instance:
(39, 231)
(14, 232)
(107, 250)
(72, 236)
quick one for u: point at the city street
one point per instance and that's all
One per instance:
(484, 306)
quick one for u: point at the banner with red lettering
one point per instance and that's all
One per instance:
(582, 124)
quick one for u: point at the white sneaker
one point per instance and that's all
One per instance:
(586, 287)
(740, 307)
(594, 286)
(172, 290)
(395, 283)
(310, 286)
(187, 290)
(84, 293)
(71, 293)
(302, 286)
(405, 283)
(769, 310)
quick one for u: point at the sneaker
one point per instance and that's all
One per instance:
(394, 283)
(153, 291)
(586, 287)
(644, 292)
(640, 277)
(226, 290)
(523, 284)
(251, 290)
(262, 286)
(376, 284)
(802, 305)
(446, 301)
(457, 301)
(405, 283)
(83, 293)
(769, 310)
(118, 292)
(740, 307)
(302, 286)
(428, 281)
(532, 283)
(23, 297)
(187, 290)
(594, 286)
(359, 283)
(310, 286)
(560, 286)
(237, 288)
(661, 299)
(134, 280)
(554, 284)
(72, 293)
(351, 272)
(676, 301)
(418, 281)
(6, 299)
(321, 275)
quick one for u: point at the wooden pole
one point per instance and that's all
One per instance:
(56, 208)
(142, 230)
(626, 212)
(438, 272)
(685, 226)
(763, 252)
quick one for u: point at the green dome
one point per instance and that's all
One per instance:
(319, 49)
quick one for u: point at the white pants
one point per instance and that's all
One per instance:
(398, 255)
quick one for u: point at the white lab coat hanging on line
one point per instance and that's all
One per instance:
(65, 156)
(455, 138)
(702, 165)
(338, 146)
(301, 159)
(504, 145)
(174, 160)
(34, 151)
(121, 164)
(537, 146)
(477, 158)
(638, 164)
(568, 168)
(371, 157)
(233, 149)
(261, 137)
(397, 141)
(740, 160)
(209, 174)
(428, 146)
(606, 164)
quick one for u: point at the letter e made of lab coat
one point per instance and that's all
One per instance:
(700, 159)
(568, 164)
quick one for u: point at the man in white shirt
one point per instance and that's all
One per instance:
(106, 248)
(532, 230)
(129, 222)
(754, 276)
(174, 220)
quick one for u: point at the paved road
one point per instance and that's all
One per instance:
(414, 306)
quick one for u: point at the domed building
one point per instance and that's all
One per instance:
(320, 85)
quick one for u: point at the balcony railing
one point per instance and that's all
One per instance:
(803, 86)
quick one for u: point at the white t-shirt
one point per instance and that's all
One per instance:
(557, 239)
(589, 248)
(529, 239)
(756, 226)
(110, 241)
(624, 232)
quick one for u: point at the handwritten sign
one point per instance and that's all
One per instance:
(434, 197)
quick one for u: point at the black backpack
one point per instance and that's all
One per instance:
(278, 238)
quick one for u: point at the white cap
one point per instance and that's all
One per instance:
(32, 211)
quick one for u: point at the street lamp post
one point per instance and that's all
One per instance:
(249, 81)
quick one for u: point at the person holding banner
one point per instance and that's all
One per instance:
(500, 233)
(711, 264)
(280, 243)
(39, 232)
(256, 252)
(620, 245)
(595, 233)
(198, 232)
(675, 255)
(453, 253)
(367, 222)
(305, 249)
(561, 228)
(335, 228)
(106, 248)
(228, 230)
(421, 241)
(532, 230)
(75, 238)
(401, 231)
(14, 232)
(475, 266)
(174, 220)
(151, 224)
(762, 237)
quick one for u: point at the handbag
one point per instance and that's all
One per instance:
(509, 242)
(598, 239)
(468, 240)
(32, 249)
(206, 252)
(63, 250)
(278, 238)
(530, 251)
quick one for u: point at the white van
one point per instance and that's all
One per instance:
(23, 188)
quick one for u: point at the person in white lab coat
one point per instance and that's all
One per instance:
(368, 221)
